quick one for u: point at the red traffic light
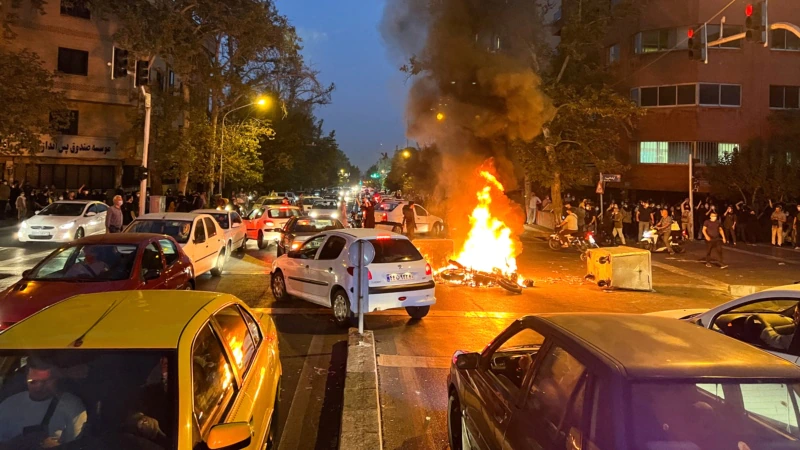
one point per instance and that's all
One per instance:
(748, 10)
(691, 33)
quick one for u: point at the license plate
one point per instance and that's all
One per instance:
(399, 277)
(39, 233)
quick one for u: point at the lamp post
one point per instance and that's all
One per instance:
(262, 101)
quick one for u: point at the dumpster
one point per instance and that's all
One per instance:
(620, 268)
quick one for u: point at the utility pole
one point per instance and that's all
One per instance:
(145, 143)
(691, 191)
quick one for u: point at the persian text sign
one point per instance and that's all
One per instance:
(66, 146)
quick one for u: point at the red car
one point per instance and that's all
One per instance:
(107, 262)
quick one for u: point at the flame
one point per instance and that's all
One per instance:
(489, 244)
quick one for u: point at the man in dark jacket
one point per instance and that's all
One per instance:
(408, 220)
(368, 214)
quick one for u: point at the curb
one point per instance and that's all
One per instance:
(740, 290)
(361, 411)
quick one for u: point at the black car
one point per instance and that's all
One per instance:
(624, 382)
(298, 229)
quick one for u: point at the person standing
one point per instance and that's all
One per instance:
(368, 214)
(409, 220)
(796, 229)
(715, 237)
(616, 220)
(128, 211)
(742, 217)
(729, 225)
(580, 212)
(778, 218)
(627, 220)
(12, 199)
(644, 216)
(114, 220)
(533, 207)
(5, 195)
(22, 207)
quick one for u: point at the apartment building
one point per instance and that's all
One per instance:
(96, 149)
(694, 108)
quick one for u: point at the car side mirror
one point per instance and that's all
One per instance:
(90, 214)
(152, 274)
(230, 436)
(26, 274)
(293, 254)
(468, 361)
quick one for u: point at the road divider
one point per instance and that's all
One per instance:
(361, 411)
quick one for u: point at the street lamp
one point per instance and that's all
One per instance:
(440, 117)
(406, 154)
(261, 101)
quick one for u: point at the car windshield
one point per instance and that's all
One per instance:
(324, 205)
(222, 219)
(315, 225)
(394, 250)
(180, 230)
(95, 262)
(387, 206)
(272, 201)
(103, 398)
(766, 306)
(255, 214)
(310, 201)
(706, 416)
(63, 209)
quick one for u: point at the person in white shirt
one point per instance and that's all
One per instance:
(42, 413)
(533, 206)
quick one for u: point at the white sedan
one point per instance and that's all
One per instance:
(389, 215)
(199, 235)
(320, 272)
(232, 227)
(64, 221)
(745, 318)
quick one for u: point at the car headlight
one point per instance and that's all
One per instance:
(312, 214)
(335, 215)
(67, 226)
(24, 224)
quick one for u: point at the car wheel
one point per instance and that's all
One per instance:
(279, 286)
(217, 270)
(79, 233)
(342, 313)
(455, 424)
(418, 312)
(243, 247)
(261, 243)
(228, 248)
(272, 436)
(189, 286)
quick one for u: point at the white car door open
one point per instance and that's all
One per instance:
(421, 219)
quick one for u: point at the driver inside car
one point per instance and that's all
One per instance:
(776, 340)
(91, 266)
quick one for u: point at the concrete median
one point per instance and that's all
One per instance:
(361, 412)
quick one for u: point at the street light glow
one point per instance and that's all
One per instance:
(263, 101)
(440, 117)
(406, 154)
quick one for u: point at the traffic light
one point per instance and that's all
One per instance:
(142, 73)
(755, 23)
(119, 63)
(698, 48)
(142, 175)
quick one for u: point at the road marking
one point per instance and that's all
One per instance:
(24, 258)
(426, 362)
(773, 258)
(292, 433)
(686, 273)
(394, 312)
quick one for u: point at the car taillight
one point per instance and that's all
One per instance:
(428, 270)
(352, 270)
(385, 217)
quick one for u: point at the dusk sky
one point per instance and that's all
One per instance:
(342, 41)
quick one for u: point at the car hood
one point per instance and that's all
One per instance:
(678, 313)
(27, 297)
(50, 220)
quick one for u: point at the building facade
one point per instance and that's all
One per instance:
(695, 108)
(98, 149)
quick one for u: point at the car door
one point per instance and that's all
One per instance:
(238, 229)
(199, 251)
(215, 238)
(152, 265)
(323, 269)
(89, 220)
(174, 275)
(300, 275)
(421, 219)
(102, 211)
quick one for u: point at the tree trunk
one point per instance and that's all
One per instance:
(555, 186)
(214, 125)
(183, 180)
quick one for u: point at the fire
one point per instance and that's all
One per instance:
(489, 244)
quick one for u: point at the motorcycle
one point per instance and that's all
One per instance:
(651, 241)
(582, 242)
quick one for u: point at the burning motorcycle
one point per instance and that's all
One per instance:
(457, 273)
(651, 241)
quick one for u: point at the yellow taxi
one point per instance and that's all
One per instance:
(141, 370)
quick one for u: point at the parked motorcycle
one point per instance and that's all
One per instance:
(651, 241)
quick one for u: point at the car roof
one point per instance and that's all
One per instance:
(79, 202)
(118, 238)
(168, 216)
(210, 211)
(111, 320)
(787, 287)
(364, 233)
(648, 347)
(279, 206)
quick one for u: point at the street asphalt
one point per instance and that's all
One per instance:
(413, 356)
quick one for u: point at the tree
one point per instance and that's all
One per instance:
(243, 165)
(31, 105)
(745, 170)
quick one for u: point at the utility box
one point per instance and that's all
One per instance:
(158, 203)
(620, 268)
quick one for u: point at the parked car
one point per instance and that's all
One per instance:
(298, 229)
(232, 226)
(616, 381)
(64, 221)
(262, 222)
(308, 203)
(320, 272)
(199, 235)
(745, 318)
(325, 208)
(389, 214)
(149, 370)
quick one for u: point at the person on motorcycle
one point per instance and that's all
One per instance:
(569, 227)
(664, 229)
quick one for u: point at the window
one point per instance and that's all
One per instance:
(171, 78)
(420, 211)
(169, 250)
(72, 127)
(613, 54)
(635, 96)
(212, 378)
(784, 40)
(236, 218)
(557, 377)
(252, 325)
(91, 209)
(667, 95)
(720, 94)
(687, 94)
(513, 358)
(101, 207)
(649, 96)
(784, 97)
(332, 248)
(234, 331)
(309, 249)
(727, 31)
(710, 153)
(394, 251)
(652, 41)
(672, 95)
(211, 228)
(653, 152)
(75, 8)
(151, 259)
(73, 62)
(199, 232)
